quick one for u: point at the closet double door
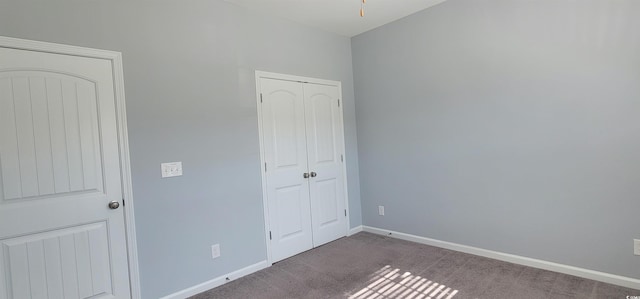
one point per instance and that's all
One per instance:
(302, 133)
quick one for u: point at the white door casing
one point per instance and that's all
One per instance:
(62, 160)
(308, 118)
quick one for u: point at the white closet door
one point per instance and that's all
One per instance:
(324, 148)
(59, 169)
(285, 153)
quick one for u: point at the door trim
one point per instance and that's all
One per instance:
(123, 140)
(285, 77)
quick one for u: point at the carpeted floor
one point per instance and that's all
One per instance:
(367, 266)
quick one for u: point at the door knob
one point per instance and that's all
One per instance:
(313, 174)
(114, 205)
(305, 175)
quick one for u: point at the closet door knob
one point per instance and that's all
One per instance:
(114, 205)
(305, 175)
(313, 174)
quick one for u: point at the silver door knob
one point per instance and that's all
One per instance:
(305, 175)
(114, 205)
(313, 174)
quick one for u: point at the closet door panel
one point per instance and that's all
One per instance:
(285, 151)
(324, 147)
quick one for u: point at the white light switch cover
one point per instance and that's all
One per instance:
(171, 169)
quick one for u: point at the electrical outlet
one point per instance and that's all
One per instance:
(215, 251)
(381, 210)
(636, 246)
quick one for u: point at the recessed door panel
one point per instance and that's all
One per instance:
(50, 140)
(327, 190)
(323, 122)
(286, 135)
(65, 263)
(290, 212)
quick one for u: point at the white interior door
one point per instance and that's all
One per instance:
(285, 154)
(302, 140)
(324, 148)
(59, 169)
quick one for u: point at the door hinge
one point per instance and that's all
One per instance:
(123, 202)
(260, 98)
(265, 166)
(338, 102)
(270, 238)
(345, 212)
(342, 158)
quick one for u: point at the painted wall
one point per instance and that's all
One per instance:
(190, 91)
(509, 125)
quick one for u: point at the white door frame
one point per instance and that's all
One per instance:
(277, 76)
(123, 140)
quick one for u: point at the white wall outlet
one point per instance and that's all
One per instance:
(171, 169)
(636, 246)
(215, 251)
(381, 210)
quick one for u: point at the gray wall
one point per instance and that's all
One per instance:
(509, 125)
(189, 79)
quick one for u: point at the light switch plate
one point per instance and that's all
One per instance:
(636, 246)
(171, 169)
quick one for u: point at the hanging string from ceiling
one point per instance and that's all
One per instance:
(362, 7)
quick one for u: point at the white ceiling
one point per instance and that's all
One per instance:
(338, 16)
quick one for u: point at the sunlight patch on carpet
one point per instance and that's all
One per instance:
(393, 283)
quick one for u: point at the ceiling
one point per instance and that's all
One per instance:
(338, 16)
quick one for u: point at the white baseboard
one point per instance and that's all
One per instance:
(218, 281)
(354, 230)
(516, 259)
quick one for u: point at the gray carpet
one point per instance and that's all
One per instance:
(368, 266)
